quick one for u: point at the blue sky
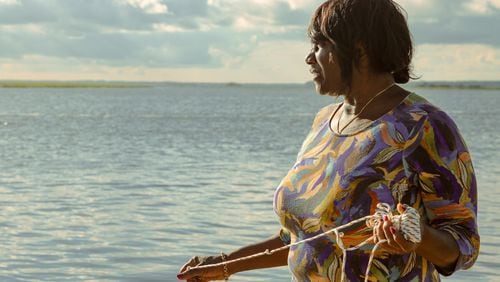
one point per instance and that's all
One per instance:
(221, 40)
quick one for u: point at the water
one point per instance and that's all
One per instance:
(127, 184)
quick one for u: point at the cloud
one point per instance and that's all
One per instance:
(149, 6)
(145, 32)
(9, 2)
(483, 7)
(269, 62)
(454, 21)
(457, 62)
(207, 35)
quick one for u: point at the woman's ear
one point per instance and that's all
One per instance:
(330, 58)
(361, 58)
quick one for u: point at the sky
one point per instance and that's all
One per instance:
(247, 41)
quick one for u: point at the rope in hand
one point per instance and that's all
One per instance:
(408, 223)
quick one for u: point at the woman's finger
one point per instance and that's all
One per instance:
(389, 231)
(404, 244)
(385, 234)
(191, 274)
(194, 261)
(401, 208)
(380, 231)
(206, 273)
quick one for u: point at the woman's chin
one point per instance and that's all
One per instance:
(323, 90)
(318, 86)
(320, 89)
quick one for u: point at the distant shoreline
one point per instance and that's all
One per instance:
(465, 85)
(455, 85)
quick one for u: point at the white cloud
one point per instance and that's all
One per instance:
(263, 2)
(24, 28)
(277, 61)
(457, 62)
(416, 3)
(149, 6)
(228, 60)
(482, 6)
(299, 4)
(9, 2)
(167, 27)
(242, 23)
(418, 7)
(294, 4)
(428, 11)
(270, 62)
(221, 40)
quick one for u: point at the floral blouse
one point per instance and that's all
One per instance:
(414, 155)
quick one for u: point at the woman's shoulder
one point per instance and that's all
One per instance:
(324, 114)
(419, 107)
(419, 111)
(328, 109)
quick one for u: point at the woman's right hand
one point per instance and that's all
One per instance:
(191, 272)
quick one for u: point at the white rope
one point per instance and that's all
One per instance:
(408, 223)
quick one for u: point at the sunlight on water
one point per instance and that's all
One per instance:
(127, 184)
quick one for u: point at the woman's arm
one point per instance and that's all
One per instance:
(189, 270)
(266, 261)
(434, 244)
(439, 163)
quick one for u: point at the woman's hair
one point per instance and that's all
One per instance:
(379, 26)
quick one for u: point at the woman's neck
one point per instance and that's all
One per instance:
(363, 89)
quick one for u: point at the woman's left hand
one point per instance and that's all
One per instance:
(396, 243)
(191, 273)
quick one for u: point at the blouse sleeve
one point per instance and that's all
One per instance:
(440, 165)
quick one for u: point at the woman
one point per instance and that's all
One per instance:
(382, 144)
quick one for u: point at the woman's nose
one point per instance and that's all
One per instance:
(310, 58)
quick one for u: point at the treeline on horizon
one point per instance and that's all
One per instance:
(494, 85)
(482, 85)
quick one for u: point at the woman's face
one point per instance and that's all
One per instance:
(325, 69)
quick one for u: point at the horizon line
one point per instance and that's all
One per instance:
(212, 82)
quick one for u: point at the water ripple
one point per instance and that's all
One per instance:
(125, 185)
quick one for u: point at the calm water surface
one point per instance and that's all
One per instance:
(127, 184)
